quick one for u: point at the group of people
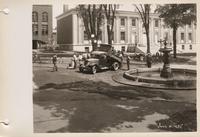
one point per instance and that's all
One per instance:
(75, 61)
(78, 58)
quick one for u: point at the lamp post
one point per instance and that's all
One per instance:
(94, 41)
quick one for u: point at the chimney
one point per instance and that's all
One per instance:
(65, 8)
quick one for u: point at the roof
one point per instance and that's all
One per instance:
(98, 52)
(118, 13)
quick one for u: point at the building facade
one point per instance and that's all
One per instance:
(129, 33)
(41, 25)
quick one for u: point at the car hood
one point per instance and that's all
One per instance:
(92, 60)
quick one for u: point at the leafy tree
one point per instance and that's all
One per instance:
(144, 11)
(109, 11)
(176, 15)
(92, 16)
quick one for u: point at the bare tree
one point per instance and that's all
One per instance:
(144, 11)
(110, 10)
(92, 16)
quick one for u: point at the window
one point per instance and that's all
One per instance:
(87, 49)
(100, 35)
(44, 29)
(85, 36)
(122, 21)
(35, 29)
(182, 37)
(134, 22)
(123, 48)
(183, 47)
(44, 17)
(156, 23)
(123, 36)
(166, 36)
(190, 37)
(190, 47)
(34, 16)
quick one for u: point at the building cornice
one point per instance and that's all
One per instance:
(118, 13)
(69, 12)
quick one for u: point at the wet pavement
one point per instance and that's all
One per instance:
(70, 101)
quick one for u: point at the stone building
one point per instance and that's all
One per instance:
(41, 25)
(129, 33)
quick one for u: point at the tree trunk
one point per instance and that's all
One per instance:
(174, 41)
(148, 42)
(109, 35)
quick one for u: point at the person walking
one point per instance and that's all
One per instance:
(128, 62)
(54, 60)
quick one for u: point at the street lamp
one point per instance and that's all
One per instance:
(92, 36)
(5, 11)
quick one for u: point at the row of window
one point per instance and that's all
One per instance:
(183, 47)
(44, 29)
(123, 34)
(183, 36)
(133, 22)
(35, 16)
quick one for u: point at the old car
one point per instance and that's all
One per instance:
(100, 60)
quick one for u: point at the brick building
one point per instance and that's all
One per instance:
(41, 25)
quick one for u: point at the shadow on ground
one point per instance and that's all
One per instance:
(93, 104)
(115, 92)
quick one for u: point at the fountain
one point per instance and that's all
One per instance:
(165, 77)
(166, 71)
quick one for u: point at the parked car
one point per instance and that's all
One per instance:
(100, 60)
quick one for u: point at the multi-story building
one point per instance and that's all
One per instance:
(41, 25)
(128, 32)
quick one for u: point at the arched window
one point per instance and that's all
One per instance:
(44, 17)
(34, 16)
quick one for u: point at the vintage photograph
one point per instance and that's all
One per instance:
(113, 68)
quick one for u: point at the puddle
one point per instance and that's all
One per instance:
(48, 119)
(138, 126)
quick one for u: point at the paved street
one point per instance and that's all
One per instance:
(70, 101)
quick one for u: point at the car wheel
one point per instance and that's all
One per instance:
(115, 66)
(94, 69)
(80, 69)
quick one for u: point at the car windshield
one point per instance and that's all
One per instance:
(95, 55)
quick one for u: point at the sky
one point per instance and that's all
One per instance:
(58, 9)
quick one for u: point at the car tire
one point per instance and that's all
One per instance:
(94, 69)
(80, 69)
(115, 66)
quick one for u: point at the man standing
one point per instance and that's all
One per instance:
(75, 60)
(54, 60)
(128, 62)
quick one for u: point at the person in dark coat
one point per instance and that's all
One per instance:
(54, 60)
(128, 62)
